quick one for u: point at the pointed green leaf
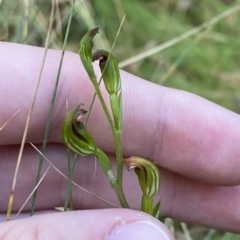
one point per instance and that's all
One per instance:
(156, 210)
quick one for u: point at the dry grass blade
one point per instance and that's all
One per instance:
(26, 13)
(86, 12)
(173, 67)
(11, 198)
(83, 189)
(20, 210)
(180, 38)
(185, 230)
(40, 25)
(5, 124)
(59, 23)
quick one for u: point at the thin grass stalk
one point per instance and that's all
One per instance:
(69, 187)
(186, 231)
(75, 184)
(6, 123)
(11, 197)
(6, 20)
(25, 24)
(30, 195)
(51, 107)
(175, 64)
(69, 172)
(180, 38)
(85, 13)
(38, 21)
(69, 169)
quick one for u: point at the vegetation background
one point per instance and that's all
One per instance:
(206, 64)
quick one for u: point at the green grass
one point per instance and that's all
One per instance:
(206, 64)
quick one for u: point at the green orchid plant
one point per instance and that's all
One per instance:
(79, 140)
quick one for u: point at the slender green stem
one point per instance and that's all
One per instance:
(106, 167)
(69, 187)
(119, 156)
(147, 204)
(117, 140)
(104, 106)
(69, 172)
(116, 105)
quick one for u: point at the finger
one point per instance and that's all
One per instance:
(199, 203)
(179, 131)
(52, 190)
(92, 224)
(20, 66)
(181, 198)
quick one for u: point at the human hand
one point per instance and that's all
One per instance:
(191, 139)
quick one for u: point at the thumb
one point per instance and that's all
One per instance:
(88, 224)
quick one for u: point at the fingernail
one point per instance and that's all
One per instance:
(138, 231)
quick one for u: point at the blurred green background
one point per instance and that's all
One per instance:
(206, 63)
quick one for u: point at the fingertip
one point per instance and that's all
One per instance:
(111, 224)
(140, 230)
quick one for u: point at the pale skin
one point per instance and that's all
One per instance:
(193, 141)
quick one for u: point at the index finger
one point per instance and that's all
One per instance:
(178, 130)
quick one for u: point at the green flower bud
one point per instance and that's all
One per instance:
(110, 70)
(77, 138)
(148, 175)
(85, 51)
(74, 134)
(112, 81)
